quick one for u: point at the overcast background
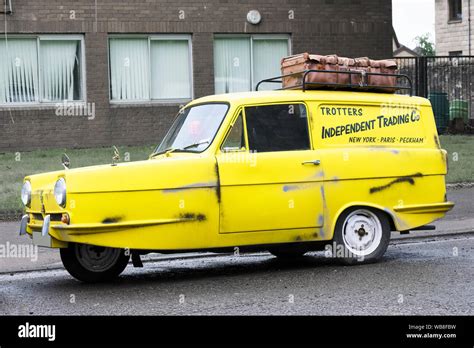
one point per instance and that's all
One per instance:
(412, 18)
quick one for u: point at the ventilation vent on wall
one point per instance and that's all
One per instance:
(6, 6)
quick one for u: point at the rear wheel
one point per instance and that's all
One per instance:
(361, 236)
(92, 264)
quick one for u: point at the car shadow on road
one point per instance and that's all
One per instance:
(192, 270)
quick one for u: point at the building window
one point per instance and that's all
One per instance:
(150, 68)
(455, 53)
(42, 69)
(455, 10)
(240, 62)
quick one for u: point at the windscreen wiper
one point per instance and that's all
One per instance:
(195, 144)
(184, 149)
(167, 151)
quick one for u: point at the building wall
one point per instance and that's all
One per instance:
(453, 36)
(345, 27)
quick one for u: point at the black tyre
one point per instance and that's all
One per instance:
(361, 236)
(93, 264)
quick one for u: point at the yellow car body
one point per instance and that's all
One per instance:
(372, 150)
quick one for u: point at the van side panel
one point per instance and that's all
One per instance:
(382, 155)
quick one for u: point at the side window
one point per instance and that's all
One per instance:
(235, 139)
(282, 127)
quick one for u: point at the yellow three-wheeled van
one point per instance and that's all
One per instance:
(288, 171)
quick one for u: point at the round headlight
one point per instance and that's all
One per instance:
(60, 192)
(26, 193)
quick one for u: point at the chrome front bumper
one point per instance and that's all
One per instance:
(39, 238)
(25, 219)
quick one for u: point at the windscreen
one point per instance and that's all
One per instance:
(194, 128)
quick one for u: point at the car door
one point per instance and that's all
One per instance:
(270, 177)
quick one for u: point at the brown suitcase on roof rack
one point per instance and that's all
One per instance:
(297, 64)
(383, 67)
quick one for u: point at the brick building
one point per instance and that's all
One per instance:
(125, 67)
(454, 31)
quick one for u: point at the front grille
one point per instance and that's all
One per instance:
(53, 217)
(56, 217)
(38, 217)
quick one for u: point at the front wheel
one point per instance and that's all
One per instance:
(361, 236)
(92, 264)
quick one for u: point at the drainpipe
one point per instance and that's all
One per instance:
(8, 7)
(469, 24)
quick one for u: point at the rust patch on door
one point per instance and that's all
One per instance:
(193, 216)
(112, 220)
(218, 186)
(409, 179)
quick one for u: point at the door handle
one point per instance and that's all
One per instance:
(314, 163)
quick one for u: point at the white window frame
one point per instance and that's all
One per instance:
(51, 37)
(252, 38)
(150, 38)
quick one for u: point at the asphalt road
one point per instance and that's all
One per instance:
(426, 272)
(416, 277)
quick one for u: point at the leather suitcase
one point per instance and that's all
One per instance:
(379, 67)
(301, 62)
(383, 67)
(305, 61)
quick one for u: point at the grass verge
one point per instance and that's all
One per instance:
(460, 157)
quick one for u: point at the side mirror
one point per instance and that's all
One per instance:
(66, 162)
(116, 156)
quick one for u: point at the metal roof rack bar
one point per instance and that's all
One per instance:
(349, 86)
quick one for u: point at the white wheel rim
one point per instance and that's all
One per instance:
(362, 232)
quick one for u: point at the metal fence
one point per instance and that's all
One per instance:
(448, 83)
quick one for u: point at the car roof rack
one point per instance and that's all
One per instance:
(363, 86)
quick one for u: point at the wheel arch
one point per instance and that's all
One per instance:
(390, 215)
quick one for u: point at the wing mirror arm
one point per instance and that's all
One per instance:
(116, 156)
(66, 162)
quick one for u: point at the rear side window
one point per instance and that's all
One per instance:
(282, 127)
